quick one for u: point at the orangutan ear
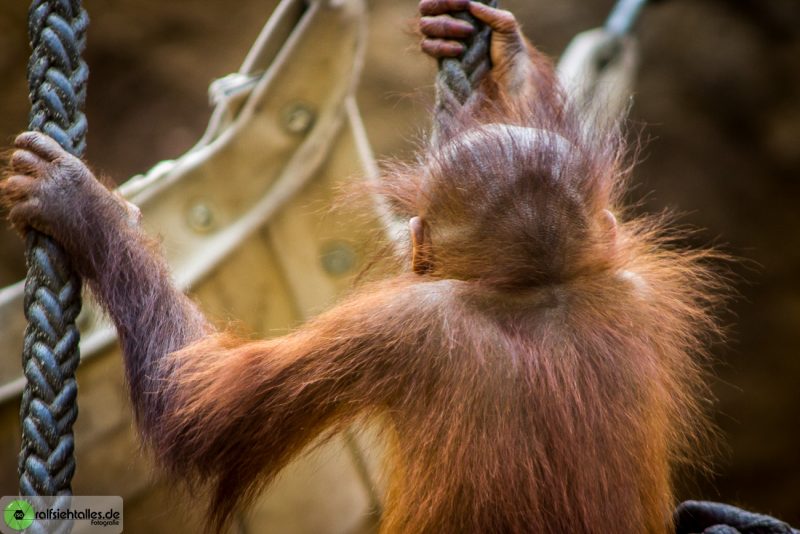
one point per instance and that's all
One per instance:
(608, 226)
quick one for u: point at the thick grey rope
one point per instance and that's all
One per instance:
(458, 77)
(57, 77)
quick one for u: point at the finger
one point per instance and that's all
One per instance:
(16, 188)
(41, 145)
(440, 48)
(445, 27)
(440, 7)
(498, 20)
(26, 215)
(26, 162)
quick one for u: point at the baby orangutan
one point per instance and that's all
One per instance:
(535, 363)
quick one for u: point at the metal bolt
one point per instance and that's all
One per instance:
(201, 217)
(298, 118)
(338, 258)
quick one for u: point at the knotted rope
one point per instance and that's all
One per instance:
(458, 77)
(57, 79)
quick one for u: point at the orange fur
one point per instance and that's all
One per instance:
(542, 375)
(543, 372)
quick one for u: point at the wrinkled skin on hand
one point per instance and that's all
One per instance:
(52, 191)
(511, 53)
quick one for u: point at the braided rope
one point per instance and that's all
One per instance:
(57, 79)
(458, 77)
(461, 75)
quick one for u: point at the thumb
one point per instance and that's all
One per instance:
(507, 41)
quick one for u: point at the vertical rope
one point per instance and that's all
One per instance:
(458, 77)
(57, 78)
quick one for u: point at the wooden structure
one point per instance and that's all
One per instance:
(245, 225)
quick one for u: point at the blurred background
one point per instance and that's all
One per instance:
(717, 100)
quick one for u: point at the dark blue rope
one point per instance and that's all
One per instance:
(458, 77)
(57, 77)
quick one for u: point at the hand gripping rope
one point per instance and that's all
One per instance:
(57, 77)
